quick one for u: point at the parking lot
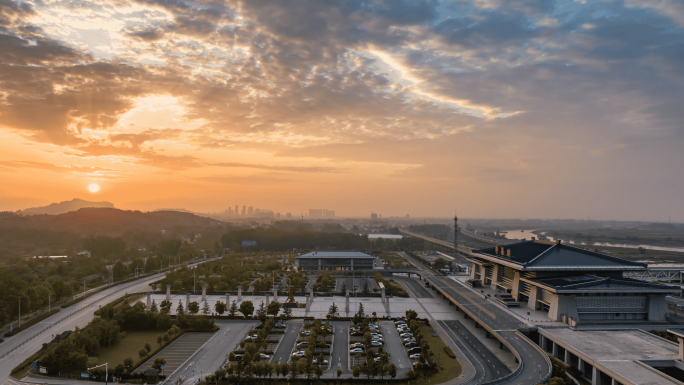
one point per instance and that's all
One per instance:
(340, 353)
(395, 348)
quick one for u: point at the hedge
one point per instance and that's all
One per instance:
(449, 352)
(30, 323)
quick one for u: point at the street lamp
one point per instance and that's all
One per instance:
(106, 370)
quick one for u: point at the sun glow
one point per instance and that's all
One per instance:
(94, 187)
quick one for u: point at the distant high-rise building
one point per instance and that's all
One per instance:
(250, 211)
(407, 215)
(374, 216)
(236, 210)
(278, 215)
(257, 211)
(288, 215)
(328, 213)
(315, 213)
(244, 208)
(380, 216)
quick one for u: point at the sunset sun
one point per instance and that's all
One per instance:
(94, 187)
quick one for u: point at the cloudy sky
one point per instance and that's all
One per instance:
(496, 108)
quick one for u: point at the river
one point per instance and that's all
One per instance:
(528, 234)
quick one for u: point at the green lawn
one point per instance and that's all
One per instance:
(447, 366)
(128, 347)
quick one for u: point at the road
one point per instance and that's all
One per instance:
(212, 355)
(535, 364)
(17, 348)
(340, 353)
(393, 346)
(284, 350)
(491, 367)
(414, 287)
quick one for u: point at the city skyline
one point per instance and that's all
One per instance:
(499, 109)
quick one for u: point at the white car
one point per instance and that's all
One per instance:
(406, 335)
(250, 338)
(299, 354)
(356, 350)
(414, 356)
(325, 362)
(376, 344)
(265, 356)
(410, 339)
(379, 338)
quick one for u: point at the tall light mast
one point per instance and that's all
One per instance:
(455, 236)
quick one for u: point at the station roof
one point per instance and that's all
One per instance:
(592, 283)
(549, 256)
(335, 254)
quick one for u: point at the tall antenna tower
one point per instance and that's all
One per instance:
(455, 234)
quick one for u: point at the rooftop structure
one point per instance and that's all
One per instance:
(335, 260)
(627, 357)
(572, 284)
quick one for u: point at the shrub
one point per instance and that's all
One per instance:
(449, 352)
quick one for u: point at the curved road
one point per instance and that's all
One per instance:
(17, 348)
(535, 364)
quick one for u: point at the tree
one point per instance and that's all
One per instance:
(193, 307)
(179, 309)
(119, 271)
(165, 306)
(166, 337)
(411, 373)
(360, 312)
(273, 308)
(128, 363)
(153, 307)
(142, 353)
(287, 312)
(333, 311)
(339, 373)
(411, 315)
(158, 362)
(366, 289)
(220, 307)
(160, 339)
(556, 381)
(344, 288)
(147, 347)
(247, 308)
(233, 309)
(262, 310)
(205, 309)
(392, 370)
(319, 371)
(356, 372)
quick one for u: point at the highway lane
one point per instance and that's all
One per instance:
(497, 319)
(17, 348)
(491, 368)
(212, 355)
(415, 288)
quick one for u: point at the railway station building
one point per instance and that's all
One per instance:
(335, 261)
(572, 284)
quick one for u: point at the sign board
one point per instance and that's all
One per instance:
(85, 374)
(161, 366)
(43, 369)
(249, 243)
(34, 366)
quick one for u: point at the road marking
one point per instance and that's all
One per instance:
(470, 300)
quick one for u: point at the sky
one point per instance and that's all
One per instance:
(487, 108)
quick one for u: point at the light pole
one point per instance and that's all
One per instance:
(49, 304)
(19, 311)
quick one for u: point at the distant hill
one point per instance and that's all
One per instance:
(65, 207)
(109, 221)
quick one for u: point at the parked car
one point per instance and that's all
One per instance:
(356, 350)
(406, 335)
(315, 362)
(414, 350)
(299, 354)
(306, 333)
(265, 356)
(279, 326)
(373, 327)
(303, 345)
(414, 356)
(376, 344)
(238, 357)
(259, 326)
(410, 339)
(356, 345)
(357, 333)
(411, 344)
(251, 338)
